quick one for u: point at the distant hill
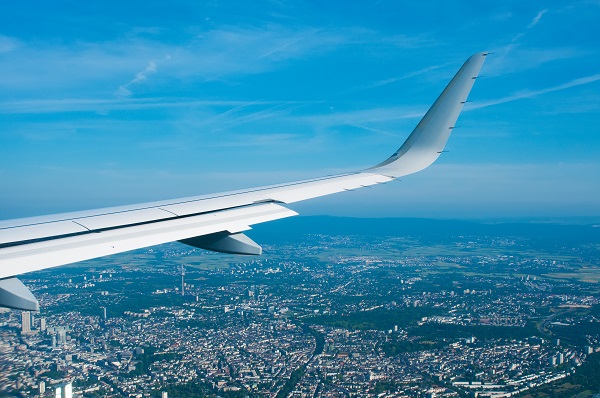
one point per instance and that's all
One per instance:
(291, 229)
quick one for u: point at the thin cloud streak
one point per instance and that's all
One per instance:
(222, 53)
(528, 94)
(537, 18)
(105, 105)
(409, 75)
(514, 41)
(363, 116)
(124, 91)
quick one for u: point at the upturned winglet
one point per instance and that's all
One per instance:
(428, 139)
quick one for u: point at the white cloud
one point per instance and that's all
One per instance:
(8, 44)
(514, 42)
(217, 54)
(124, 91)
(362, 118)
(536, 19)
(107, 105)
(522, 59)
(409, 75)
(533, 93)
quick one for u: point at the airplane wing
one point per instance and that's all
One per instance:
(213, 222)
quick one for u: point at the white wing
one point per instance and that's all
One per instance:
(213, 222)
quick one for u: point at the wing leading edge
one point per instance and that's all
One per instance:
(213, 222)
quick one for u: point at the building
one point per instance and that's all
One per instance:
(25, 321)
(42, 324)
(62, 337)
(68, 390)
(64, 390)
(42, 387)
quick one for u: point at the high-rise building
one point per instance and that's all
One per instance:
(42, 387)
(182, 282)
(25, 321)
(164, 394)
(64, 391)
(104, 313)
(42, 324)
(62, 337)
(68, 391)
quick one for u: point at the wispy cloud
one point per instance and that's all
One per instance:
(522, 59)
(124, 91)
(533, 93)
(285, 45)
(537, 18)
(409, 75)
(8, 44)
(514, 42)
(223, 53)
(406, 41)
(108, 105)
(363, 116)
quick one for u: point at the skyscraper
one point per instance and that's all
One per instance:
(64, 391)
(68, 390)
(42, 324)
(62, 337)
(182, 282)
(25, 321)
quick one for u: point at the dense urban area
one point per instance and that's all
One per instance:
(380, 308)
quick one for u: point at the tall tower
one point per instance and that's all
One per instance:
(25, 321)
(182, 282)
(68, 390)
(64, 390)
(62, 337)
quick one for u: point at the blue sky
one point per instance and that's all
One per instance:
(123, 102)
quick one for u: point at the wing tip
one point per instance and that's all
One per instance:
(427, 141)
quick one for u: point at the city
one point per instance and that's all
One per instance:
(329, 315)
